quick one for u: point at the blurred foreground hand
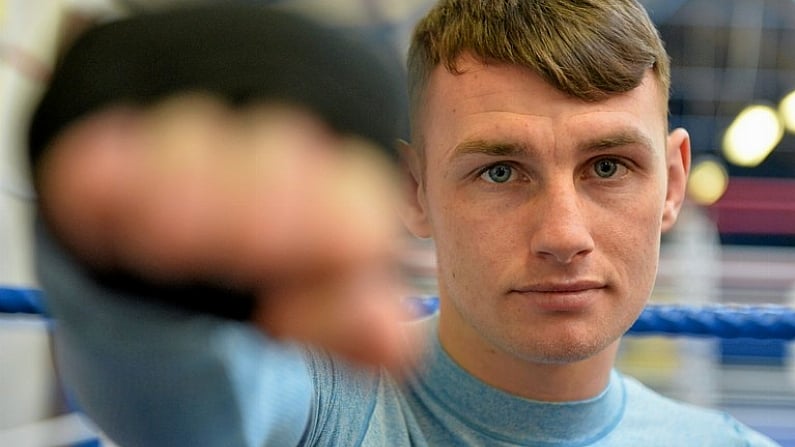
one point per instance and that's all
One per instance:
(264, 198)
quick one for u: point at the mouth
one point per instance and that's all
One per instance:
(562, 287)
(562, 296)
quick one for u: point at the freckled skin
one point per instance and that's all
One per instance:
(589, 189)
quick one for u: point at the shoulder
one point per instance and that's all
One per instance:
(351, 403)
(652, 419)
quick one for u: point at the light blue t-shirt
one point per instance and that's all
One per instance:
(152, 376)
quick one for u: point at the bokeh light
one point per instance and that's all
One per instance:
(707, 182)
(786, 110)
(752, 136)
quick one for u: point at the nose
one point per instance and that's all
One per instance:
(562, 229)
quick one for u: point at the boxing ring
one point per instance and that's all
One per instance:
(720, 322)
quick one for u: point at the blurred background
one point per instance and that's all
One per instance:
(733, 89)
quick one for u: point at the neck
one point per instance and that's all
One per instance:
(529, 378)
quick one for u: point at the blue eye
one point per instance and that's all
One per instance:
(499, 173)
(606, 167)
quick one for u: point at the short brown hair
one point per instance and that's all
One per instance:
(586, 48)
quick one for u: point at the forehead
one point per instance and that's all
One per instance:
(494, 98)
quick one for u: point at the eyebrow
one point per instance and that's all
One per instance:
(626, 137)
(483, 147)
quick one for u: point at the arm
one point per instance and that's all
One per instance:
(154, 376)
(269, 203)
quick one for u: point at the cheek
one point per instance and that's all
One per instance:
(633, 244)
(634, 214)
(472, 243)
(470, 226)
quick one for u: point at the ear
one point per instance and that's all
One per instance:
(414, 209)
(678, 168)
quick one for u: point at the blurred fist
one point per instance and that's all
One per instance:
(266, 199)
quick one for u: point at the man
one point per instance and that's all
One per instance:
(551, 147)
(542, 166)
(543, 170)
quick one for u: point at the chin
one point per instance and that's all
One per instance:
(564, 358)
(563, 350)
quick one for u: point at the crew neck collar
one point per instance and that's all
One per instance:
(510, 418)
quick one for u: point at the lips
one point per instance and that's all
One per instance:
(562, 287)
(562, 296)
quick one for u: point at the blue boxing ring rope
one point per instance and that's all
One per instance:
(19, 300)
(721, 321)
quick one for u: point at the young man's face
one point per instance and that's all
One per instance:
(546, 210)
